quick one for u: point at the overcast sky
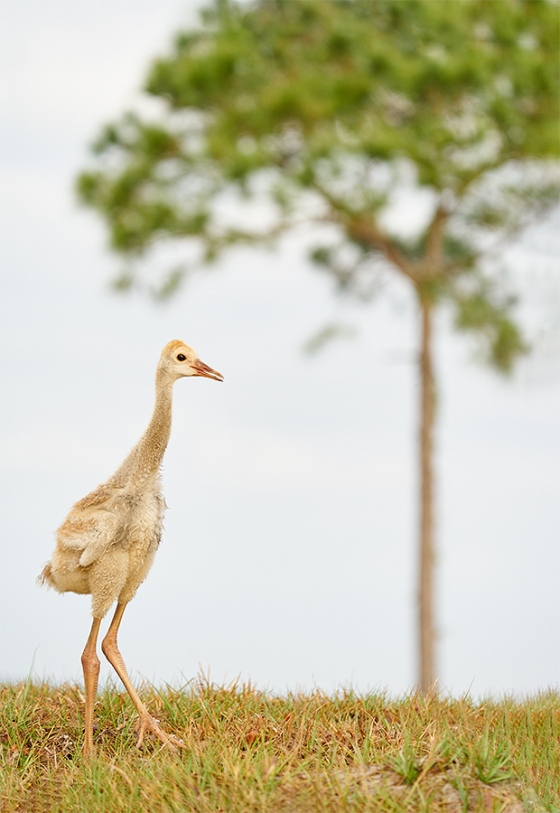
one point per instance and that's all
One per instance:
(290, 545)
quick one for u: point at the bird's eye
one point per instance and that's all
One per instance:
(181, 357)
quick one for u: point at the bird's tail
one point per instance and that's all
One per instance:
(45, 577)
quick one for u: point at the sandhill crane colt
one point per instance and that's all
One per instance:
(108, 541)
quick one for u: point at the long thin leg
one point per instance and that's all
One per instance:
(111, 652)
(90, 665)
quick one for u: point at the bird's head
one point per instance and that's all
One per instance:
(179, 360)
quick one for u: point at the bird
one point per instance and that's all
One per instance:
(106, 545)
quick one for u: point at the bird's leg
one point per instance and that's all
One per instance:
(111, 652)
(90, 665)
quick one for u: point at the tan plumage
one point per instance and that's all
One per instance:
(107, 543)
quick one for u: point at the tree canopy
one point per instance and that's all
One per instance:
(321, 108)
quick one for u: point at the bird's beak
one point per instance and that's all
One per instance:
(203, 369)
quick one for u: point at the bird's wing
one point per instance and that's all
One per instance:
(91, 532)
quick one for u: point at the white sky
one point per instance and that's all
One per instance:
(289, 552)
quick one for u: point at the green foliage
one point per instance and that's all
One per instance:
(322, 110)
(249, 752)
(485, 316)
(327, 334)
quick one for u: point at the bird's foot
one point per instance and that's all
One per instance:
(149, 723)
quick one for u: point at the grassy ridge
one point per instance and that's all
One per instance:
(248, 752)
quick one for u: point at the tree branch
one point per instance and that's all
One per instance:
(433, 259)
(363, 229)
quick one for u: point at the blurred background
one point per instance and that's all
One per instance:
(289, 555)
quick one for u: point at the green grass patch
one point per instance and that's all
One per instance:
(251, 752)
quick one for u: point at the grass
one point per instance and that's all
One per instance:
(249, 752)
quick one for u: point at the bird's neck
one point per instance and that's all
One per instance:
(144, 461)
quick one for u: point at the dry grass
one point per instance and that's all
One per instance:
(248, 752)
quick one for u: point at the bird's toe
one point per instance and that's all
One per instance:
(149, 723)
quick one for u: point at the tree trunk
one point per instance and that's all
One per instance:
(426, 625)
